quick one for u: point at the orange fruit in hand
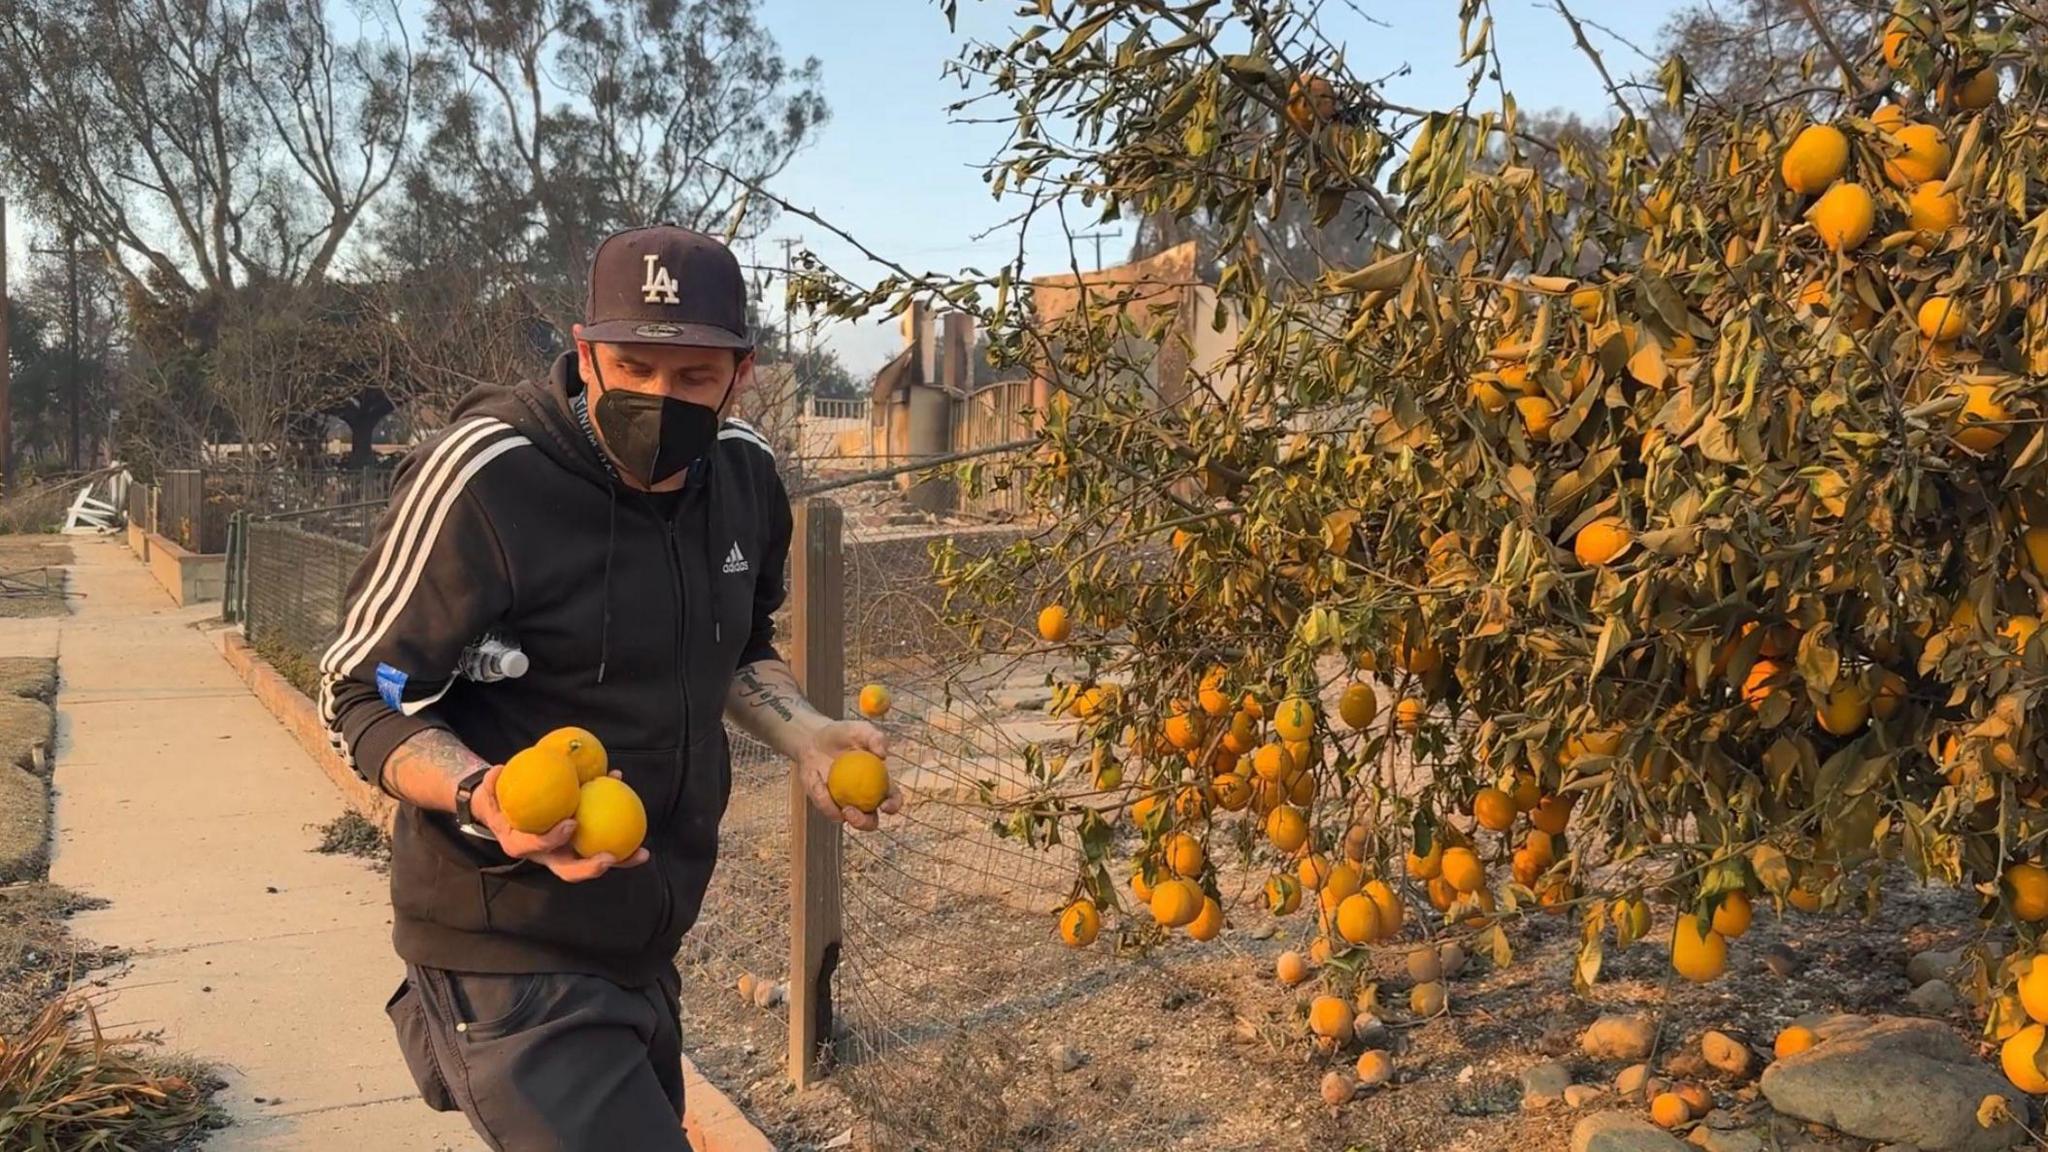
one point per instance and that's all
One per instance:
(858, 779)
(1079, 924)
(609, 818)
(582, 749)
(538, 789)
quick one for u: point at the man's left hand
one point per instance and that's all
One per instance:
(815, 767)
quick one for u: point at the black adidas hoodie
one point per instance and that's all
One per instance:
(633, 621)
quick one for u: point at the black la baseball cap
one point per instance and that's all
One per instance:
(666, 285)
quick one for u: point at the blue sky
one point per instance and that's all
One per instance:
(891, 169)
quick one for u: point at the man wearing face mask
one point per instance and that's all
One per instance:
(630, 537)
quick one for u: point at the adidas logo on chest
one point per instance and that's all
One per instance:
(735, 560)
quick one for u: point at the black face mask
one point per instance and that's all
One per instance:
(655, 437)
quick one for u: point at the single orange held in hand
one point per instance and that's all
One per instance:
(537, 789)
(609, 818)
(858, 779)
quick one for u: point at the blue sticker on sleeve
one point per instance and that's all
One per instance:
(391, 686)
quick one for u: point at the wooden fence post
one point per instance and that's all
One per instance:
(817, 589)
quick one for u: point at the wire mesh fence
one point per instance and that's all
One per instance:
(293, 587)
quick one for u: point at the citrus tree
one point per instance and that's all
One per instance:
(1686, 489)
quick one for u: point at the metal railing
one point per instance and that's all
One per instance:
(829, 409)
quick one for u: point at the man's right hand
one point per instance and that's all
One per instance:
(551, 848)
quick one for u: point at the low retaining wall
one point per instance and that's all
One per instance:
(190, 577)
(138, 541)
(302, 720)
(711, 1120)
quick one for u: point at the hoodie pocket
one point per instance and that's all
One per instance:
(616, 913)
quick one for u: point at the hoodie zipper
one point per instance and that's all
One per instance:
(675, 562)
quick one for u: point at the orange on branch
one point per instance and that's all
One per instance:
(1816, 158)
(1844, 216)
(1601, 542)
(1462, 870)
(1493, 809)
(1283, 894)
(1922, 155)
(1079, 924)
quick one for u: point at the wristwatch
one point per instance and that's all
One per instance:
(464, 790)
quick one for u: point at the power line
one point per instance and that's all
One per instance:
(1098, 237)
(6, 362)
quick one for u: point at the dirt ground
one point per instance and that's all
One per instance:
(959, 1009)
(962, 1016)
(30, 584)
(38, 955)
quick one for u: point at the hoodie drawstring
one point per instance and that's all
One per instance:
(611, 541)
(712, 535)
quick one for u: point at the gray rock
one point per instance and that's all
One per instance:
(1622, 1132)
(1935, 998)
(1726, 1140)
(1619, 1038)
(1580, 1095)
(1630, 1082)
(1727, 1054)
(1370, 1031)
(1931, 966)
(1544, 1084)
(1911, 1081)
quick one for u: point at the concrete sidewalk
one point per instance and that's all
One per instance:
(187, 807)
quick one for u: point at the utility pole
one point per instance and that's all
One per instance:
(6, 366)
(1098, 237)
(789, 244)
(70, 254)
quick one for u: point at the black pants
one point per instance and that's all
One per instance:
(555, 1062)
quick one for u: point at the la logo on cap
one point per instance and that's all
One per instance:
(659, 287)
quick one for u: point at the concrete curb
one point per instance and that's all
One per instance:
(712, 1121)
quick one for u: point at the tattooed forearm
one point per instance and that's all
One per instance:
(753, 693)
(425, 769)
(766, 702)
